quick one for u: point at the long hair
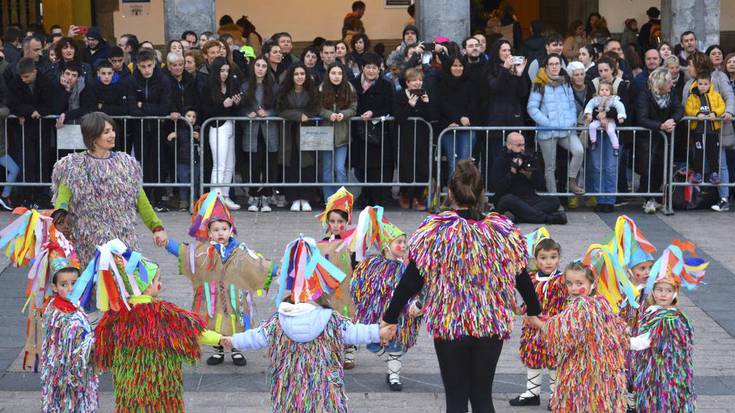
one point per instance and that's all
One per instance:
(312, 107)
(214, 83)
(341, 95)
(496, 65)
(64, 42)
(268, 86)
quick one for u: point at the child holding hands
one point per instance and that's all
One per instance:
(598, 113)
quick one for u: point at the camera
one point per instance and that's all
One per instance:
(523, 161)
(429, 46)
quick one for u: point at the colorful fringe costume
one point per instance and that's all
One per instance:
(69, 382)
(104, 196)
(589, 343)
(373, 283)
(141, 340)
(470, 268)
(664, 373)
(224, 277)
(307, 377)
(552, 295)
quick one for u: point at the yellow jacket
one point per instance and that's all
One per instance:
(712, 99)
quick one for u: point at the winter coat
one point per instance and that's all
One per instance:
(154, 93)
(110, 99)
(271, 130)
(184, 93)
(456, 100)
(552, 107)
(508, 97)
(378, 99)
(341, 129)
(651, 116)
(291, 107)
(23, 102)
(721, 85)
(710, 102)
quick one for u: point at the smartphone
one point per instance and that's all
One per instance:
(82, 30)
(517, 60)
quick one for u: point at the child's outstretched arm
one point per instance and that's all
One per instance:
(356, 334)
(172, 246)
(252, 339)
(209, 338)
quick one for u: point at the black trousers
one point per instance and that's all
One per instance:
(467, 368)
(532, 210)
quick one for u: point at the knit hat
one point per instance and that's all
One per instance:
(342, 200)
(373, 231)
(410, 27)
(674, 268)
(118, 272)
(94, 33)
(306, 273)
(209, 207)
(653, 12)
(572, 66)
(441, 39)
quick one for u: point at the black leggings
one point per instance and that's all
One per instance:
(467, 367)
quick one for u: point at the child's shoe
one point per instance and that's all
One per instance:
(393, 378)
(349, 363)
(237, 358)
(217, 357)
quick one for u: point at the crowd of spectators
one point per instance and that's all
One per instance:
(492, 78)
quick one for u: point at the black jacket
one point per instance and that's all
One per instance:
(378, 98)
(86, 103)
(503, 182)
(457, 99)
(508, 97)
(154, 93)
(23, 102)
(99, 55)
(111, 99)
(477, 76)
(651, 116)
(183, 94)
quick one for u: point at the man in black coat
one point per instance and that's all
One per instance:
(515, 186)
(97, 48)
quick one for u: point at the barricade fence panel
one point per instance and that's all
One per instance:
(164, 147)
(699, 162)
(637, 169)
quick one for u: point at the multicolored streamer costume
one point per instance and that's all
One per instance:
(68, 378)
(338, 254)
(663, 373)
(552, 295)
(589, 343)
(470, 268)
(373, 283)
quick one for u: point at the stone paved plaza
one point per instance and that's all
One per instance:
(227, 388)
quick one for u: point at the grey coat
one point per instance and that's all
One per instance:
(270, 129)
(291, 107)
(722, 86)
(341, 129)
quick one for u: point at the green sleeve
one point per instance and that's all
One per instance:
(150, 219)
(209, 338)
(63, 197)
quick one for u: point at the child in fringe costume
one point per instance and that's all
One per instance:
(336, 218)
(589, 342)
(663, 367)
(68, 380)
(26, 241)
(225, 274)
(306, 338)
(142, 340)
(552, 294)
(374, 280)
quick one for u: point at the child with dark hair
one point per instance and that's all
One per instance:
(186, 129)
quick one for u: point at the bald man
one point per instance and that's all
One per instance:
(515, 186)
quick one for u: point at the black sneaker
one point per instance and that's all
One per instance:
(525, 401)
(161, 208)
(6, 203)
(217, 357)
(238, 359)
(722, 206)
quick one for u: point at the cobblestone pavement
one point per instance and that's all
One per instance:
(227, 388)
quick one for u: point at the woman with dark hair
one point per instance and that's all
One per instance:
(372, 143)
(67, 50)
(103, 189)
(716, 56)
(298, 103)
(338, 106)
(592, 20)
(221, 98)
(551, 105)
(508, 94)
(576, 38)
(250, 34)
(468, 265)
(311, 59)
(261, 138)
(343, 56)
(175, 46)
(359, 44)
(457, 98)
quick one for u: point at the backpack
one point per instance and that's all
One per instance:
(691, 197)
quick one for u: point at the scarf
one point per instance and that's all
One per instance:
(366, 83)
(662, 101)
(545, 79)
(75, 93)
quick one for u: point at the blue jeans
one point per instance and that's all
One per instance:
(11, 171)
(603, 167)
(457, 146)
(724, 175)
(394, 346)
(329, 170)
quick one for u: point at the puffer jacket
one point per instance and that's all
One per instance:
(552, 107)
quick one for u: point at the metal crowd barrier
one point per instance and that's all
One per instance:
(493, 133)
(133, 134)
(258, 133)
(696, 166)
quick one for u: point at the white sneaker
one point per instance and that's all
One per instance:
(649, 207)
(264, 207)
(305, 206)
(231, 204)
(296, 206)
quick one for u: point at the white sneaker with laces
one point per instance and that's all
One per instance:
(305, 206)
(264, 207)
(296, 206)
(231, 204)
(722, 206)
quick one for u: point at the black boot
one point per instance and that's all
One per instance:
(556, 218)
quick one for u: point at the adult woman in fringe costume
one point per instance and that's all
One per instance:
(469, 265)
(102, 188)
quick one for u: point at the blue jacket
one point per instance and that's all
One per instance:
(554, 108)
(304, 327)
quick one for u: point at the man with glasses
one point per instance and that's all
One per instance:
(515, 178)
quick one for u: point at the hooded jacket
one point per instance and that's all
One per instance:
(552, 106)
